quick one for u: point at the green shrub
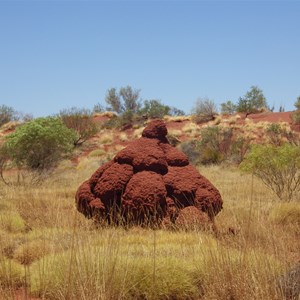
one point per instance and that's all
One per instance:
(252, 102)
(214, 145)
(296, 117)
(239, 148)
(228, 108)
(296, 113)
(154, 109)
(278, 135)
(277, 167)
(190, 150)
(39, 144)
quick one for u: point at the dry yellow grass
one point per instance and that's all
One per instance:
(59, 254)
(175, 132)
(138, 132)
(123, 137)
(106, 137)
(177, 118)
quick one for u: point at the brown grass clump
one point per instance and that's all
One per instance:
(177, 118)
(97, 153)
(31, 251)
(106, 138)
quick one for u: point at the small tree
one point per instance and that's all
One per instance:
(228, 108)
(204, 110)
(113, 99)
(277, 167)
(7, 114)
(130, 99)
(253, 101)
(154, 109)
(39, 144)
(81, 121)
(296, 114)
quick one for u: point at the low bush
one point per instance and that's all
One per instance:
(39, 144)
(214, 145)
(81, 121)
(277, 167)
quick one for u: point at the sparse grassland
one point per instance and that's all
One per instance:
(51, 251)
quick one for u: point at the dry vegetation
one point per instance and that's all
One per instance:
(50, 251)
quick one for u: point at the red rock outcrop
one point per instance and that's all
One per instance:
(147, 182)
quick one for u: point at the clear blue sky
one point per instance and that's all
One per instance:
(59, 54)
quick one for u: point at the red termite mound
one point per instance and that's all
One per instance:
(146, 183)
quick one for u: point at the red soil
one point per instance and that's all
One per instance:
(273, 117)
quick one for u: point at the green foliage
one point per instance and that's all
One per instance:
(252, 102)
(126, 103)
(296, 114)
(81, 121)
(7, 114)
(39, 144)
(278, 135)
(112, 98)
(126, 99)
(297, 103)
(296, 117)
(239, 148)
(114, 276)
(131, 110)
(204, 110)
(217, 144)
(214, 145)
(228, 108)
(277, 167)
(130, 98)
(154, 109)
(190, 150)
